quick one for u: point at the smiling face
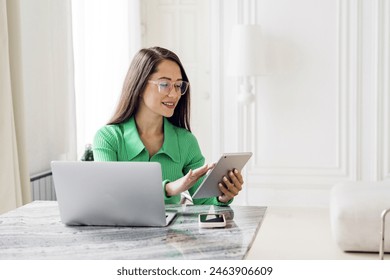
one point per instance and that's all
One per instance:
(159, 103)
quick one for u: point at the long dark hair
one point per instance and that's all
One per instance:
(144, 64)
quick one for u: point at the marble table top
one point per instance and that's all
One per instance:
(35, 231)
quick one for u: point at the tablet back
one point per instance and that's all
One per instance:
(226, 163)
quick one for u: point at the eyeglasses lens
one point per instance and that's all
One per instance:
(180, 87)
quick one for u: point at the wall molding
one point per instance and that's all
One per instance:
(349, 124)
(383, 88)
(363, 130)
(216, 21)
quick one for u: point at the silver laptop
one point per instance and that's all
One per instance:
(110, 193)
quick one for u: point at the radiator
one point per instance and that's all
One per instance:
(42, 186)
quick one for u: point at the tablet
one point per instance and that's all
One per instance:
(226, 163)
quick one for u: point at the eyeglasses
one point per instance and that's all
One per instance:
(165, 86)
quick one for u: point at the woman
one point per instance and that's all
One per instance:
(151, 123)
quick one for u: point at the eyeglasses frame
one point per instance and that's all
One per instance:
(156, 82)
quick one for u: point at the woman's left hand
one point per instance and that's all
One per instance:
(230, 186)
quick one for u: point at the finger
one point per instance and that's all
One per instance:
(225, 191)
(223, 199)
(235, 181)
(198, 172)
(210, 166)
(230, 186)
(239, 176)
(201, 170)
(226, 195)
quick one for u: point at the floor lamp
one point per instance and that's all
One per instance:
(246, 61)
(246, 58)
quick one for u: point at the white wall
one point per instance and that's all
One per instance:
(47, 61)
(321, 114)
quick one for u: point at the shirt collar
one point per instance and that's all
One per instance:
(135, 146)
(132, 139)
(171, 141)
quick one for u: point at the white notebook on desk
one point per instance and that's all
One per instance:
(110, 193)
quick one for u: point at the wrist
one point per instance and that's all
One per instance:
(171, 189)
(167, 188)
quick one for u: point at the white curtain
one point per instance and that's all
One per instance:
(14, 183)
(48, 78)
(135, 26)
(106, 36)
(37, 104)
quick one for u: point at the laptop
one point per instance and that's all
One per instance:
(110, 193)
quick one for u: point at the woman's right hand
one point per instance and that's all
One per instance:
(187, 181)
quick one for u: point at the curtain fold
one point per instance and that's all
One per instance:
(135, 27)
(14, 179)
(37, 102)
(48, 79)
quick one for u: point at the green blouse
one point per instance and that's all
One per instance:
(179, 153)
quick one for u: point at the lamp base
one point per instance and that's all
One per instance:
(246, 98)
(246, 95)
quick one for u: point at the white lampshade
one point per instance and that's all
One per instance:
(246, 54)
